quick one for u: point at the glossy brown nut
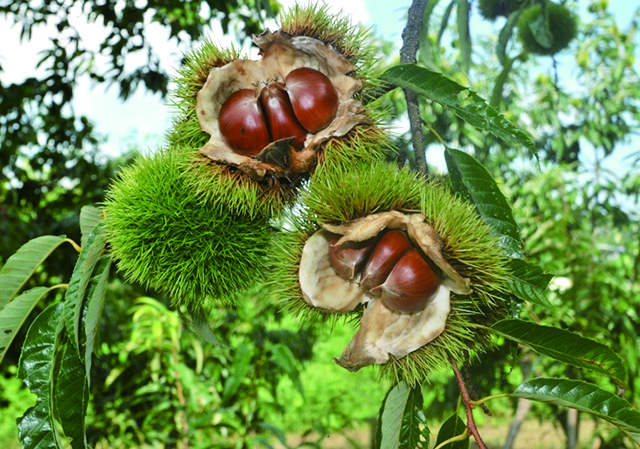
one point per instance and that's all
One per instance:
(389, 249)
(410, 285)
(349, 259)
(313, 97)
(242, 123)
(281, 119)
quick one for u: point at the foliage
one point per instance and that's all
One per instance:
(50, 156)
(174, 378)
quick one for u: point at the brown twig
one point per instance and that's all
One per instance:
(468, 406)
(408, 52)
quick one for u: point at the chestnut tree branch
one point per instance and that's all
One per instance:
(468, 405)
(408, 52)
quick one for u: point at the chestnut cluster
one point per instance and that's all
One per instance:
(390, 268)
(304, 102)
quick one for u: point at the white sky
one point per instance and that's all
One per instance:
(142, 120)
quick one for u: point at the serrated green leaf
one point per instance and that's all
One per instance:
(585, 397)
(13, 316)
(529, 282)
(82, 272)
(401, 421)
(21, 265)
(464, 37)
(565, 346)
(95, 306)
(240, 369)
(71, 396)
(282, 356)
(453, 427)
(89, 218)
(463, 102)
(474, 183)
(37, 429)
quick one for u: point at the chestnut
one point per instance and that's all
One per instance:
(410, 285)
(389, 249)
(348, 259)
(281, 119)
(313, 97)
(242, 123)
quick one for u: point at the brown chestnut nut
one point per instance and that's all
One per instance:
(242, 123)
(348, 259)
(410, 285)
(389, 249)
(313, 97)
(281, 119)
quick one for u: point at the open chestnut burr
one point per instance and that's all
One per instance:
(270, 117)
(392, 264)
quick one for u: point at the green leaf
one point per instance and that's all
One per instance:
(529, 282)
(82, 272)
(282, 356)
(540, 29)
(565, 346)
(474, 183)
(13, 316)
(445, 21)
(37, 428)
(89, 218)
(71, 394)
(585, 397)
(240, 369)
(453, 427)
(464, 37)
(20, 266)
(463, 102)
(402, 423)
(95, 306)
(505, 35)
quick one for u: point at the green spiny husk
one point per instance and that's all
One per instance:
(562, 25)
(340, 192)
(269, 196)
(168, 237)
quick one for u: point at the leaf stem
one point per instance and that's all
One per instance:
(59, 286)
(488, 398)
(408, 52)
(463, 436)
(468, 405)
(74, 244)
(435, 133)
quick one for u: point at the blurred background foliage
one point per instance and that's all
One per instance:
(162, 380)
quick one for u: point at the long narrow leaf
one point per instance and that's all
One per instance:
(13, 316)
(565, 346)
(529, 282)
(584, 397)
(402, 422)
(471, 180)
(20, 266)
(89, 218)
(464, 36)
(37, 428)
(74, 299)
(463, 102)
(241, 367)
(95, 306)
(71, 396)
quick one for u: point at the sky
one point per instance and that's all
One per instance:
(144, 118)
(142, 121)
